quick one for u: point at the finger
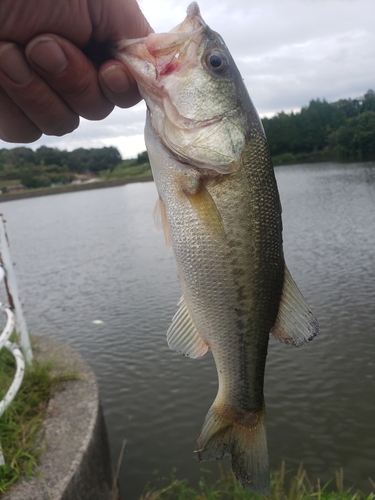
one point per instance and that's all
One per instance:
(32, 94)
(119, 20)
(15, 126)
(118, 85)
(68, 71)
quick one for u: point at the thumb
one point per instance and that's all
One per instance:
(121, 19)
(118, 85)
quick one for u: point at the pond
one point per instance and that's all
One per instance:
(95, 255)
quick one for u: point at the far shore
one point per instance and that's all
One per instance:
(71, 188)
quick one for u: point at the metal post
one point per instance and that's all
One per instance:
(12, 293)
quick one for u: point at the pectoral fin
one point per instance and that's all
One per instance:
(161, 221)
(295, 324)
(183, 336)
(207, 212)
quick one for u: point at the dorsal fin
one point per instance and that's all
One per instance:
(183, 336)
(295, 324)
(161, 221)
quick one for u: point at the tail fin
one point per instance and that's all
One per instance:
(242, 435)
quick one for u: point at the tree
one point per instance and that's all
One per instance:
(368, 101)
(314, 130)
(34, 176)
(50, 156)
(142, 158)
(356, 138)
(93, 160)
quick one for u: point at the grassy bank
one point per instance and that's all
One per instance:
(127, 169)
(72, 188)
(285, 485)
(21, 423)
(293, 159)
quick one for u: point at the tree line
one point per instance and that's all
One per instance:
(48, 166)
(342, 131)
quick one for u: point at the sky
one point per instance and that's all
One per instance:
(288, 52)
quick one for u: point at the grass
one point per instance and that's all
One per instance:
(21, 423)
(292, 159)
(297, 487)
(20, 438)
(127, 170)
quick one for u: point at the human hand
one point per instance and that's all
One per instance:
(47, 76)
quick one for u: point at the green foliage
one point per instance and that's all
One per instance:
(50, 156)
(50, 166)
(368, 101)
(137, 167)
(17, 156)
(356, 139)
(93, 160)
(36, 176)
(21, 423)
(143, 158)
(127, 172)
(80, 160)
(284, 486)
(343, 130)
(10, 175)
(321, 131)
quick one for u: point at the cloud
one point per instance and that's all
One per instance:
(330, 67)
(288, 52)
(129, 146)
(123, 129)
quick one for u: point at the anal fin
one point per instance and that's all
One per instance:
(295, 324)
(183, 336)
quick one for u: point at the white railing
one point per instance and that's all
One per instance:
(20, 366)
(12, 293)
(13, 320)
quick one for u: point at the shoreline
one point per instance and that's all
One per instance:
(71, 188)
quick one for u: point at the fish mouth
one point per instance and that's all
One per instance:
(152, 58)
(160, 54)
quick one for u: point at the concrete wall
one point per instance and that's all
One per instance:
(75, 464)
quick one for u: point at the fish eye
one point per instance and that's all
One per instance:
(217, 61)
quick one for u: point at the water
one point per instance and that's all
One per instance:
(95, 255)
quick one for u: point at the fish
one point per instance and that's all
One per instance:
(220, 210)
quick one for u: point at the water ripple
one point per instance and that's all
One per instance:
(96, 255)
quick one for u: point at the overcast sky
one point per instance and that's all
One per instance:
(288, 51)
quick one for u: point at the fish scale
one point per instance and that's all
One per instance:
(220, 208)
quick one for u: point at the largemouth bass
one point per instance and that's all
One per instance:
(220, 209)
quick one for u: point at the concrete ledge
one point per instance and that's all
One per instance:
(75, 464)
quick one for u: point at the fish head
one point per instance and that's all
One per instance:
(192, 90)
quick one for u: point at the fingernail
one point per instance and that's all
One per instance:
(14, 64)
(116, 79)
(47, 54)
